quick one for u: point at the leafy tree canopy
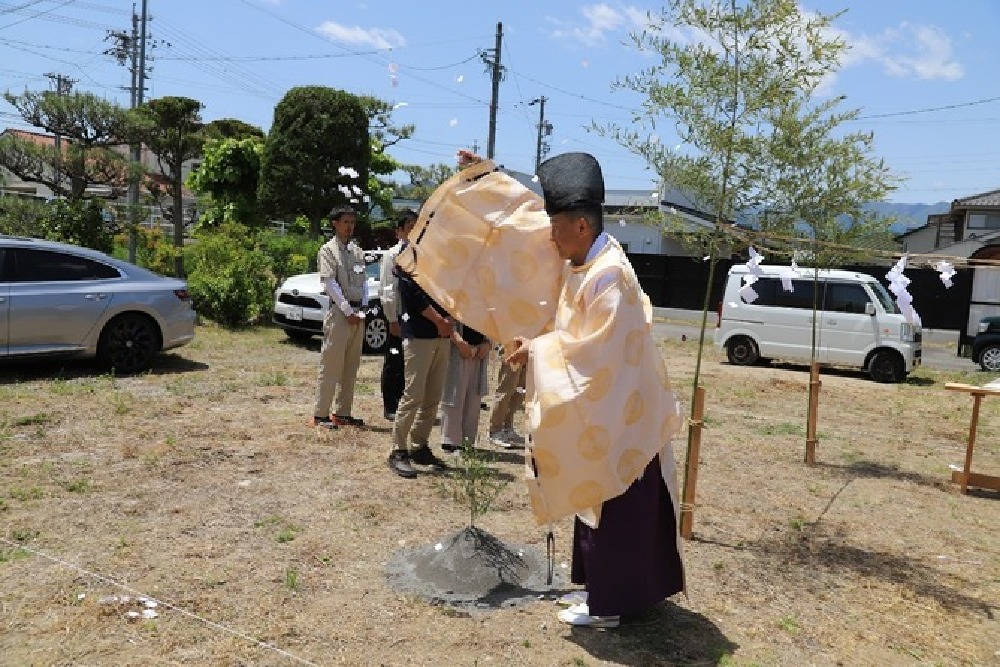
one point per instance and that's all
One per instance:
(231, 128)
(230, 173)
(171, 127)
(88, 126)
(423, 180)
(317, 154)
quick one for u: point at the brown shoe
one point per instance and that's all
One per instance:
(324, 422)
(348, 421)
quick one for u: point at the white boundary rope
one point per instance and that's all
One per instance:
(185, 612)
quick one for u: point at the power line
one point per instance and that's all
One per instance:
(946, 107)
(376, 58)
(47, 15)
(19, 10)
(252, 82)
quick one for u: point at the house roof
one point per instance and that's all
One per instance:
(970, 245)
(33, 137)
(991, 198)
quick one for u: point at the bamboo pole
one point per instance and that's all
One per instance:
(811, 440)
(691, 472)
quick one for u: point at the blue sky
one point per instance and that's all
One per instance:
(922, 71)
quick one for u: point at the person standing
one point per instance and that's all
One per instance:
(464, 384)
(508, 399)
(426, 331)
(604, 412)
(342, 273)
(392, 367)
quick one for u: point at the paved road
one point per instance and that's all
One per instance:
(938, 350)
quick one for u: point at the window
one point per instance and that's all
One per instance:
(984, 221)
(48, 266)
(887, 301)
(770, 292)
(846, 298)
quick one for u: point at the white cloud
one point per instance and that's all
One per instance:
(598, 20)
(907, 51)
(380, 38)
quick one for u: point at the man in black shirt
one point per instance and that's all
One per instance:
(426, 332)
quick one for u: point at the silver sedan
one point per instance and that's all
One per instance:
(64, 300)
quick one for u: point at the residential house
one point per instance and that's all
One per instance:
(12, 185)
(646, 222)
(970, 229)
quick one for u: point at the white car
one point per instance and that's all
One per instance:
(301, 302)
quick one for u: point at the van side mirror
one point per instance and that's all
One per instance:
(869, 308)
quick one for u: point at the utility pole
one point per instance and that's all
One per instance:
(133, 49)
(492, 58)
(544, 129)
(63, 86)
(129, 49)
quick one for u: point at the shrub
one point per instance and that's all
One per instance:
(229, 279)
(83, 223)
(153, 250)
(290, 254)
(20, 216)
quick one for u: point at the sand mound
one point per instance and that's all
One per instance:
(474, 570)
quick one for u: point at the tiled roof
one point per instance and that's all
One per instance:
(33, 137)
(991, 198)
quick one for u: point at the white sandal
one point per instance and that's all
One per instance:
(572, 598)
(580, 617)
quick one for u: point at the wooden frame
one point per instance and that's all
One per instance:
(966, 477)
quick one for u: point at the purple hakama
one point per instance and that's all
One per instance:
(630, 561)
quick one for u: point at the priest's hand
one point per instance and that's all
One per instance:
(467, 158)
(519, 356)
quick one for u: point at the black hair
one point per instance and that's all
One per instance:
(593, 214)
(405, 216)
(340, 211)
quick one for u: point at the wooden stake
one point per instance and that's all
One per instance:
(811, 419)
(691, 472)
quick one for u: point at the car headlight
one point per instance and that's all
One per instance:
(983, 326)
(906, 331)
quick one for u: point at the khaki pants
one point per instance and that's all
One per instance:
(425, 364)
(507, 400)
(339, 359)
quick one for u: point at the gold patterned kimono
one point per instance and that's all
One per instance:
(599, 401)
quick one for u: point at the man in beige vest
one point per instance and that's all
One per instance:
(342, 272)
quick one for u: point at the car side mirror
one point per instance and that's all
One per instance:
(869, 308)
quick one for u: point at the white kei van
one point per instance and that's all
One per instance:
(859, 323)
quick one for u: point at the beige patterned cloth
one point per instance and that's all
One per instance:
(599, 401)
(481, 249)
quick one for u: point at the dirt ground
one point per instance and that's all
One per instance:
(264, 542)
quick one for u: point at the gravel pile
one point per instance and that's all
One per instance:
(473, 570)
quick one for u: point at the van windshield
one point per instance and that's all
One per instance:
(888, 303)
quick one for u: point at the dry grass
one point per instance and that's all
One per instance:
(200, 485)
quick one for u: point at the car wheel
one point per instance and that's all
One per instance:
(128, 343)
(989, 358)
(742, 351)
(376, 334)
(886, 366)
(298, 336)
